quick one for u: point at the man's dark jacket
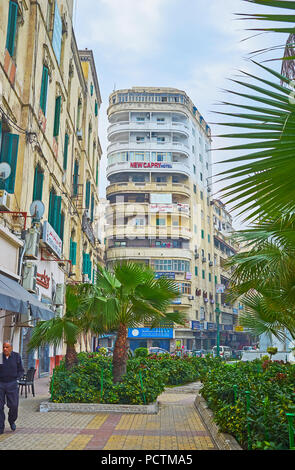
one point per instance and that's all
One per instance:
(11, 369)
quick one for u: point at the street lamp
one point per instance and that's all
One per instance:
(217, 312)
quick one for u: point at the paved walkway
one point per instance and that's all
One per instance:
(177, 426)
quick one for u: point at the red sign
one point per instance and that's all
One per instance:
(149, 165)
(43, 280)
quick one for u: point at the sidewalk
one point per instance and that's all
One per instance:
(177, 426)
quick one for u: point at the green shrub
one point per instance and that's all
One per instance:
(141, 352)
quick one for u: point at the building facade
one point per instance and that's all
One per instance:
(49, 107)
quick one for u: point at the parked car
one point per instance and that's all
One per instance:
(224, 351)
(199, 352)
(155, 350)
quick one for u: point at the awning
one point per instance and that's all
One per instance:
(14, 298)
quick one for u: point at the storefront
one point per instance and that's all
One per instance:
(150, 337)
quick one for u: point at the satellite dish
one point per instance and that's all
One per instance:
(37, 209)
(5, 170)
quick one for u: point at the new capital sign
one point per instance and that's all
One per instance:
(150, 165)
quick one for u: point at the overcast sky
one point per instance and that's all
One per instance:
(192, 45)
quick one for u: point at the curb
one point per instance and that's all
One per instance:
(223, 441)
(47, 406)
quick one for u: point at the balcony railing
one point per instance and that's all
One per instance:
(133, 187)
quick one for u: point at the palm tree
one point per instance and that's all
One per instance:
(59, 330)
(128, 297)
(260, 184)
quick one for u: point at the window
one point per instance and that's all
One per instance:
(210, 277)
(96, 108)
(57, 116)
(203, 274)
(91, 89)
(38, 184)
(57, 34)
(87, 194)
(76, 178)
(194, 167)
(54, 212)
(11, 28)
(66, 151)
(201, 194)
(196, 270)
(44, 90)
(195, 189)
(73, 252)
(92, 208)
(208, 238)
(87, 265)
(9, 151)
(202, 234)
(160, 221)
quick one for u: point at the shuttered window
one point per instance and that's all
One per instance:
(76, 178)
(38, 184)
(66, 151)
(96, 108)
(57, 116)
(87, 265)
(11, 28)
(54, 213)
(62, 226)
(44, 89)
(87, 196)
(9, 150)
(92, 208)
(73, 252)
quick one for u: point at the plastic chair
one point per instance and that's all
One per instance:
(27, 381)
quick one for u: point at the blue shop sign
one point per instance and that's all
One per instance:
(169, 275)
(228, 327)
(150, 333)
(196, 325)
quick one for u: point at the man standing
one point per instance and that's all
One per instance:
(11, 369)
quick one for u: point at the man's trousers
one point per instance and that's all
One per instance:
(9, 395)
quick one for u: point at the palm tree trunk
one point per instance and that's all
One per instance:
(71, 358)
(120, 354)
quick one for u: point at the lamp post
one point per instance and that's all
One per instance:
(217, 312)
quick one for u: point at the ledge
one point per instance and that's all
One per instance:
(223, 441)
(47, 406)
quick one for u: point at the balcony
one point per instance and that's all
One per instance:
(132, 208)
(147, 253)
(166, 126)
(163, 167)
(131, 187)
(152, 146)
(144, 231)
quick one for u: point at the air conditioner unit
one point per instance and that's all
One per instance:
(32, 244)
(59, 294)
(59, 311)
(29, 277)
(87, 213)
(86, 278)
(79, 134)
(204, 260)
(4, 200)
(190, 297)
(210, 263)
(197, 256)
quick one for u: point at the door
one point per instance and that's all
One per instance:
(44, 362)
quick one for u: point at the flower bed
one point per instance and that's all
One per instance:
(250, 401)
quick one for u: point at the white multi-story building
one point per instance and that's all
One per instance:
(160, 213)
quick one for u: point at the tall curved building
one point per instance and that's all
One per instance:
(159, 173)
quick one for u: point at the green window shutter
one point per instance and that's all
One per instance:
(11, 28)
(202, 233)
(62, 226)
(208, 238)
(203, 274)
(196, 270)
(92, 207)
(91, 89)
(51, 206)
(44, 89)
(57, 214)
(75, 178)
(84, 263)
(74, 260)
(9, 150)
(87, 197)
(215, 279)
(66, 150)
(57, 116)
(38, 184)
(96, 178)
(0, 136)
(96, 108)
(210, 277)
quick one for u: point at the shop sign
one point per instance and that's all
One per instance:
(196, 325)
(188, 276)
(161, 207)
(176, 301)
(150, 333)
(169, 275)
(43, 280)
(211, 326)
(150, 165)
(220, 288)
(235, 310)
(239, 328)
(228, 327)
(51, 239)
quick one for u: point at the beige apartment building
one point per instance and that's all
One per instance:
(49, 109)
(160, 207)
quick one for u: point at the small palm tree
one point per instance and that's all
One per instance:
(59, 330)
(128, 297)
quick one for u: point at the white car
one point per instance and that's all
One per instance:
(224, 351)
(155, 350)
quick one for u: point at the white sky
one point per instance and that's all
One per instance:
(192, 45)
